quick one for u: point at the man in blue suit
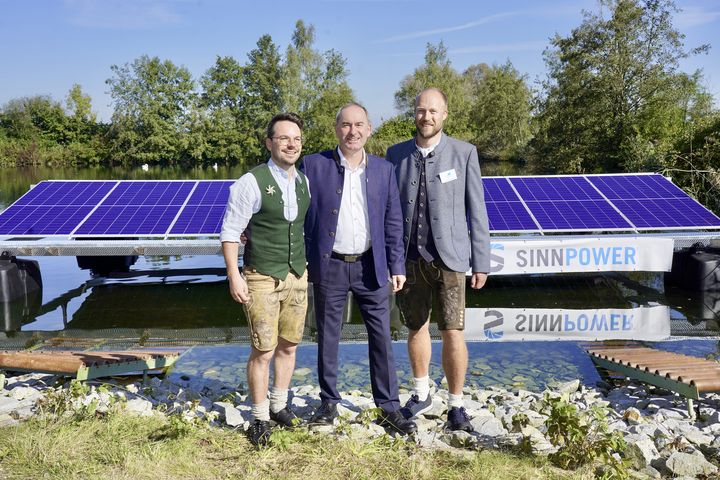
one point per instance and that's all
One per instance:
(353, 237)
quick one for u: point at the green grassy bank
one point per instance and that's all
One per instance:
(120, 446)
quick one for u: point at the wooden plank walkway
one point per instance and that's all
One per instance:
(86, 365)
(686, 375)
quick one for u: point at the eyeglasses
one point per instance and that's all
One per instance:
(284, 140)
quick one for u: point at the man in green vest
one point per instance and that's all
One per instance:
(268, 204)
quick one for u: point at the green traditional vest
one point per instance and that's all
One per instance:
(276, 245)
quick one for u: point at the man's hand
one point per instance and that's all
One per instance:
(477, 281)
(397, 282)
(238, 288)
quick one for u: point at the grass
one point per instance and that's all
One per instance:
(120, 446)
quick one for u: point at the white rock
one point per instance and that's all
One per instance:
(21, 393)
(7, 421)
(138, 406)
(460, 439)
(633, 416)
(488, 426)
(697, 438)
(692, 465)
(676, 414)
(8, 404)
(641, 452)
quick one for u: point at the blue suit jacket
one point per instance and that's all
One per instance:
(326, 177)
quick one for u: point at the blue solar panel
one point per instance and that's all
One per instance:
(211, 193)
(150, 193)
(628, 187)
(566, 203)
(145, 208)
(577, 215)
(506, 213)
(204, 211)
(554, 188)
(661, 213)
(38, 220)
(652, 202)
(129, 220)
(59, 193)
(514, 204)
(199, 220)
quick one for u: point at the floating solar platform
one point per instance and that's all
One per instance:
(146, 217)
(110, 209)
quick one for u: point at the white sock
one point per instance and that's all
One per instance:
(278, 399)
(261, 411)
(455, 400)
(422, 387)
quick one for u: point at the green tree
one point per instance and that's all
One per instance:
(154, 104)
(222, 101)
(696, 166)
(35, 131)
(261, 79)
(611, 91)
(502, 112)
(438, 72)
(394, 130)
(314, 85)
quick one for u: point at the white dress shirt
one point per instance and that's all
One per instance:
(245, 201)
(353, 229)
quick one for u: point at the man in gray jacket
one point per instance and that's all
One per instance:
(446, 234)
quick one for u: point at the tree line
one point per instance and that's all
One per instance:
(614, 100)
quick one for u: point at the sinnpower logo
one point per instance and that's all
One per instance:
(493, 325)
(497, 257)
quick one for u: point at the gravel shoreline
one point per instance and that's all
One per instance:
(662, 439)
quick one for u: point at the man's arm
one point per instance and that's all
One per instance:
(477, 222)
(238, 285)
(243, 202)
(394, 245)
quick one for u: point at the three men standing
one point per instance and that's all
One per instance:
(353, 235)
(445, 234)
(271, 202)
(360, 228)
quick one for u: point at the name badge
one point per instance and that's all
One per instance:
(448, 176)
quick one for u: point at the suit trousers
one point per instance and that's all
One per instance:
(374, 303)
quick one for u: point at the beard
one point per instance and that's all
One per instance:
(428, 131)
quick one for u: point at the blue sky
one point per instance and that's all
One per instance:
(47, 46)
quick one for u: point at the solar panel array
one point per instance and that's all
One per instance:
(87, 208)
(149, 208)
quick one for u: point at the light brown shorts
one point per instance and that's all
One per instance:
(432, 289)
(276, 308)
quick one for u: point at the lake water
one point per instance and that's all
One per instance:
(166, 301)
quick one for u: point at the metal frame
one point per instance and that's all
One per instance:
(54, 246)
(89, 372)
(687, 390)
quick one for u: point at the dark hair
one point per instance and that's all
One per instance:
(283, 117)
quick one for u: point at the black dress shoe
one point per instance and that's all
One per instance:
(259, 433)
(325, 414)
(397, 423)
(285, 417)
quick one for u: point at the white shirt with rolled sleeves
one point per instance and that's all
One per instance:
(353, 232)
(245, 200)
